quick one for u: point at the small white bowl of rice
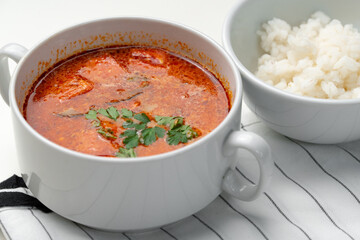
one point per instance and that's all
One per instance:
(300, 65)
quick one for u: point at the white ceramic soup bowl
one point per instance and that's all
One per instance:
(139, 193)
(303, 118)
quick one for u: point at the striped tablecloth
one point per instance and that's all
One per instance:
(314, 194)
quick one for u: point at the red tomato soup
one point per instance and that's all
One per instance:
(126, 101)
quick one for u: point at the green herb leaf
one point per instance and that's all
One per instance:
(177, 121)
(126, 113)
(106, 134)
(96, 123)
(125, 153)
(190, 133)
(128, 133)
(181, 133)
(113, 112)
(142, 117)
(131, 142)
(140, 126)
(160, 132)
(175, 137)
(103, 111)
(163, 120)
(91, 115)
(149, 136)
(172, 122)
(110, 112)
(129, 124)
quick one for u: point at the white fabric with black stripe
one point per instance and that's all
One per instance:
(314, 194)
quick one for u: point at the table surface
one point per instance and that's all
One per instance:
(28, 22)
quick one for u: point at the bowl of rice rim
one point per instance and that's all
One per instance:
(300, 65)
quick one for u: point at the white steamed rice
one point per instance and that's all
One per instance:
(320, 58)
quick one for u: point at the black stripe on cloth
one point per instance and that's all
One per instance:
(244, 176)
(276, 206)
(242, 126)
(286, 217)
(32, 212)
(14, 199)
(249, 124)
(348, 152)
(257, 227)
(303, 188)
(82, 229)
(125, 235)
(5, 231)
(213, 230)
(13, 182)
(316, 201)
(323, 169)
(168, 233)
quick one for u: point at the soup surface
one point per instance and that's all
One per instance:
(126, 101)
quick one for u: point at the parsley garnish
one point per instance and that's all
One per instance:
(182, 133)
(110, 112)
(131, 138)
(140, 133)
(107, 133)
(137, 132)
(125, 153)
(91, 115)
(149, 134)
(146, 136)
(126, 113)
(172, 122)
(128, 133)
(177, 131)
(129, 124)
(142, 117)
(140, 126)
(131, 142)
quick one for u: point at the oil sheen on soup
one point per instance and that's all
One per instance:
(126, 101)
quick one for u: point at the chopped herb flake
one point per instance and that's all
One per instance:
(103, 111)
(149, 136)
(142, 117)
(128, 133)
(113, 112)
(126, 153)
(129, 124)
(163, 120)
(106, 133)
(140, 126)
(91, 115)
(172, 122)
(160, 132)
(131, 142)
(110, 112)
(182, 133)
(126, 113)
(174, 138)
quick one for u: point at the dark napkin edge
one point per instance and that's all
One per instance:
(18, 199)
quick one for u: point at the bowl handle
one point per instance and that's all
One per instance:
(234, 182)
(15, 52)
